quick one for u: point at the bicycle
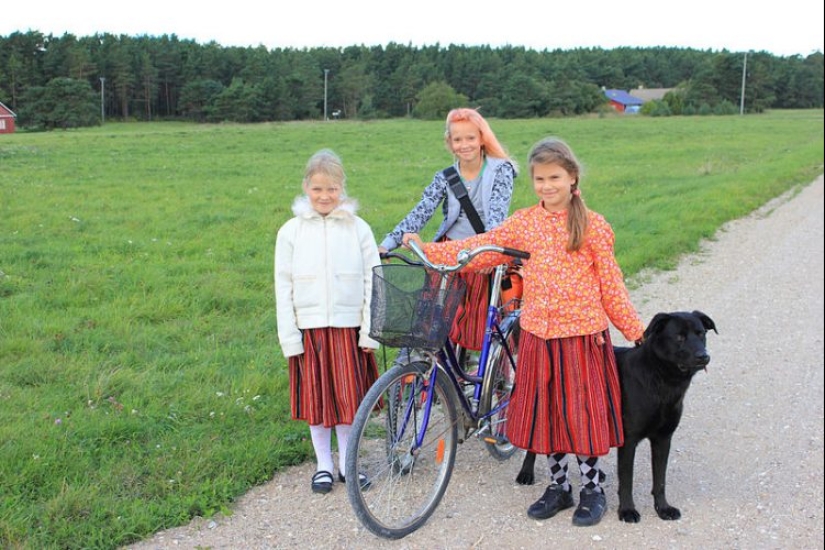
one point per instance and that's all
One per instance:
(406, 430)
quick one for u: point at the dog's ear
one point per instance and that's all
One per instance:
(656, 324)
(707, 322)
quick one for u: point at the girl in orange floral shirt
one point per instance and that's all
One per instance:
(566, 397)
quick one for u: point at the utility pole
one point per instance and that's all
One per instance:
(742, 95)
(102, 109)
(326, 73)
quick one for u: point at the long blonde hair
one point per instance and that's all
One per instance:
(489, 142)
(552, 150)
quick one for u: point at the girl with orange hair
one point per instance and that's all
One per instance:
(487, 173)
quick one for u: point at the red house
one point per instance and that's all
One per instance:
(623, 102)
(6, 120)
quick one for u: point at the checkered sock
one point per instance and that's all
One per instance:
(558, 470)
(592, 475)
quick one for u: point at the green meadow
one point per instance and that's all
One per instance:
(141, 382)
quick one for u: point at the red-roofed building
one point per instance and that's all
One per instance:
(7, 118)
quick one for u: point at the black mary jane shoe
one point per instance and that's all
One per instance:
(321, 482)
(554, 500)
(363, 480)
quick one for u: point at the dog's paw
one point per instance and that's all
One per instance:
(668, 512)
(629, 515)
(525, 478)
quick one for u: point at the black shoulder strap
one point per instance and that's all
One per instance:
(460, 191)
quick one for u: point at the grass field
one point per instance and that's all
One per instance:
(141, 383)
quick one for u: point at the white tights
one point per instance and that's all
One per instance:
(321, 442)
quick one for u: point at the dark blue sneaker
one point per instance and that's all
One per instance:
(555, 500)
(592, 506)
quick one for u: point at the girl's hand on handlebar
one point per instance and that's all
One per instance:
(411, 237)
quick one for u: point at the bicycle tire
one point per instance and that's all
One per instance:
(406, 485)
(498, 387)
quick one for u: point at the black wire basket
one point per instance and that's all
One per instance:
(413, 307)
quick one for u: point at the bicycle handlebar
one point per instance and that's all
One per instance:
(465, 256)
(395, 255)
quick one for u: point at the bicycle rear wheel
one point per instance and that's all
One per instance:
(406, 481)
(498, 387)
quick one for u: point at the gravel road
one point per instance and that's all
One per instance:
(747, 460)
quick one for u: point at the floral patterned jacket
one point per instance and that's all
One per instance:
(565, 293)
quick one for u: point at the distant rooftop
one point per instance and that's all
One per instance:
(620, 96)
(650, 94)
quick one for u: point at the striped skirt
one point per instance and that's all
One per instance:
(567, 396)
(468, 327)
(329, 380)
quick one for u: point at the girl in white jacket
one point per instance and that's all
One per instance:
(323, 282)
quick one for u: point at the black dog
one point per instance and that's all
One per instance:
(655, 378)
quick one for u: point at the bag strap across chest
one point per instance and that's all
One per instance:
(460, 192)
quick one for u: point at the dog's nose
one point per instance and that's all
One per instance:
(702, 359)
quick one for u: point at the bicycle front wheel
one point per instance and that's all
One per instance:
(498, 387)
(405, 480)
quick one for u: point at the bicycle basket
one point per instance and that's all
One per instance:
(413, 307)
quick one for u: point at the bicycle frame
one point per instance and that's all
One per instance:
(445, 361)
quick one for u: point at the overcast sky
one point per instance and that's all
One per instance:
(789, 27)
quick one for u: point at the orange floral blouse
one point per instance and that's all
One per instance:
(565, 293)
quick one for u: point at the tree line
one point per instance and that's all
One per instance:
(66, 81)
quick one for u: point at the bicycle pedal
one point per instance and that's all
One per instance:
(495, 440)
(487, 437)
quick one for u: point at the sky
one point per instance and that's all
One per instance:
(790, 27)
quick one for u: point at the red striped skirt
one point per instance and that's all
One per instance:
(329, 380)
(468, 327)
(567, 396)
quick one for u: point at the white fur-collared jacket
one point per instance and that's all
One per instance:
(323, 273)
